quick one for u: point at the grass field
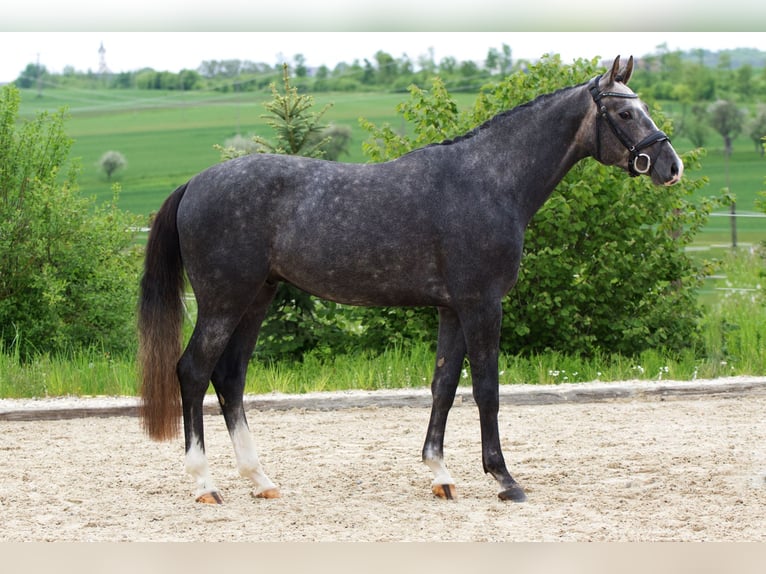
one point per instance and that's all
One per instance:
(168, 136)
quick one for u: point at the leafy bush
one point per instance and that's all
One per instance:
(604, 266)
(68, 268)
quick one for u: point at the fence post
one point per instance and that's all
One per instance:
(733, 208)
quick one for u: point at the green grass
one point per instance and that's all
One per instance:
(393, 369)
(733, 343)
(79, 373)
(745, 180)
(168, 137)
(734, 325)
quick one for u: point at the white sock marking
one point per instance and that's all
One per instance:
(441, 474)
(247, 459)
(197, 467)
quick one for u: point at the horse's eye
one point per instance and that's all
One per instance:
(625, 115)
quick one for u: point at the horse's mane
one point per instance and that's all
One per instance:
(501, 116)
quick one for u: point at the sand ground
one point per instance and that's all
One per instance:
(624, 469)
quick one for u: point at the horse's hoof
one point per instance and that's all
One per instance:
(210, 498)
(514, 494)
(268, 493)
(445, 491)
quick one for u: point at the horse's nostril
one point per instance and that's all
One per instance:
(676, 172)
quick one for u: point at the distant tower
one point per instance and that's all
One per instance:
(102, 68)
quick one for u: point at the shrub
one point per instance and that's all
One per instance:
(68, 268)
(604, 266)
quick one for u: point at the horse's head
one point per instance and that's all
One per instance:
(625, 134)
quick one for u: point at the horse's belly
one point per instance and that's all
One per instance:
(359, 280)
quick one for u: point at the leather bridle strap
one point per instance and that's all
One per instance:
(639, 163)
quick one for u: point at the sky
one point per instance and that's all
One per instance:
(173, 51)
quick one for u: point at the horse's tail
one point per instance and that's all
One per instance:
(160, 318)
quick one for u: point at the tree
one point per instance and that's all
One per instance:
(727, 119)
(238, 145)
(301, 71)
(387, 68)
(492, 61)
(498, 61)
(743, 80)
(757, 129)
(334, 141)
(426, 62)
(695, 126)
(701, 82)
(30, 76)
(506, 61)
(294, 122)
(68, 267)
(112, 161)
(448, 65)
(295, 125)
(188, 80)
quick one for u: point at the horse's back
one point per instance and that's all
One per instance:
(367, 234)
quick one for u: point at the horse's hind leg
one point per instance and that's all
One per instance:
(229, 382)
(195, 367)
(450, 353)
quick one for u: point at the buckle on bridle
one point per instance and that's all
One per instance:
(634, 167)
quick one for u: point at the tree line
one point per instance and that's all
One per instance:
(696, 76)
(717, 92)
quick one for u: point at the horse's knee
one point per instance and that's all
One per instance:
(487, 401)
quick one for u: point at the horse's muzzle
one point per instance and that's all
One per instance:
(666, 168)
(676, 172)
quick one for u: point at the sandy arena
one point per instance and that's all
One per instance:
(617, 465)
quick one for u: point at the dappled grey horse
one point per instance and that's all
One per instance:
(441, 226)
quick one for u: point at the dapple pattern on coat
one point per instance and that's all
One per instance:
(441, 226)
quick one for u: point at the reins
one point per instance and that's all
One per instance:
(634, 167)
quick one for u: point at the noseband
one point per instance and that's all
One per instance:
(639, 163)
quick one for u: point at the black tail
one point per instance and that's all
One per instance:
(160, 318)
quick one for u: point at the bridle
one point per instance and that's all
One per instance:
(635, 166)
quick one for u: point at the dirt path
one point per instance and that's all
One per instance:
(651, 468)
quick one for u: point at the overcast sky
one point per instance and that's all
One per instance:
(173, 51)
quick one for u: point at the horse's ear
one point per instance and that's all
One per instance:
(628, 71)
(621, 76)
(614, 75)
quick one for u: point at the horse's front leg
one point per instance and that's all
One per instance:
(482, 332)
(450, 353)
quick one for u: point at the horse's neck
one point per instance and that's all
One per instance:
(546, 139)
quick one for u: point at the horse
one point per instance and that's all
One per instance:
(441, 226)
